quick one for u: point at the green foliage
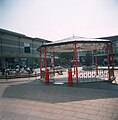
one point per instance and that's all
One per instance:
(88, 59)
(68, 55)
(65, 58)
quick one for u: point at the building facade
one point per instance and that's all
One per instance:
(18, 49)
(114, 40)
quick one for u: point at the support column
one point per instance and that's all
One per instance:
(45, 62)
(53, 62)
(40, 64)
(76, 63)
(46, 70)
(74, 68)
(108, 59)
(112, 54)
(69, 76)
(96, 63)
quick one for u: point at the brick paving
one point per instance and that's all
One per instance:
(33, 100)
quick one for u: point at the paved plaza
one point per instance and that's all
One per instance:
(29, 99)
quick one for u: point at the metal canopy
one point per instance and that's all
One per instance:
(66, 45)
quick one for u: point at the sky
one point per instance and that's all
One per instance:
(59, 19)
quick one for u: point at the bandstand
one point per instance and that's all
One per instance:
(60, 70)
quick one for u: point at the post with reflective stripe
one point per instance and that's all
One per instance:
(46, 76)
(69, 76)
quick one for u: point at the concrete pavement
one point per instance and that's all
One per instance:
(33, 100)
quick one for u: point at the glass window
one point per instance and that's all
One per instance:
(26, 47)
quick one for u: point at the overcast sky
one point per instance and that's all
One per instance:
(58, 19)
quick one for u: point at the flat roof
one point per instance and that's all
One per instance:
(112, 38)
(11, 33)
(22, 35)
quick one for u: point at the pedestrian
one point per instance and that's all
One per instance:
(28, 70)
(3, 71)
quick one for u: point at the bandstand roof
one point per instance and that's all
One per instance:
(67, 44)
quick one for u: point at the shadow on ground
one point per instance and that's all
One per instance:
(38, 91)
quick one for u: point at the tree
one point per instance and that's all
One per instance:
(88, 59)
(65, 58)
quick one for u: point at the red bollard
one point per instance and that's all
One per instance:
(69, 76)
(46, 76)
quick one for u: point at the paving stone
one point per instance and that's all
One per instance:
(93, 112)
(56, 116)
(36, 113)
(57, 111)
(79, 109)
(27, 101)
(115, 115)
(81, 115)
(95, 117)
(68, 113)
(70, 118)
(67, 107)
(20, 117)
(109, 118)
(108, 114)
(8, 116)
